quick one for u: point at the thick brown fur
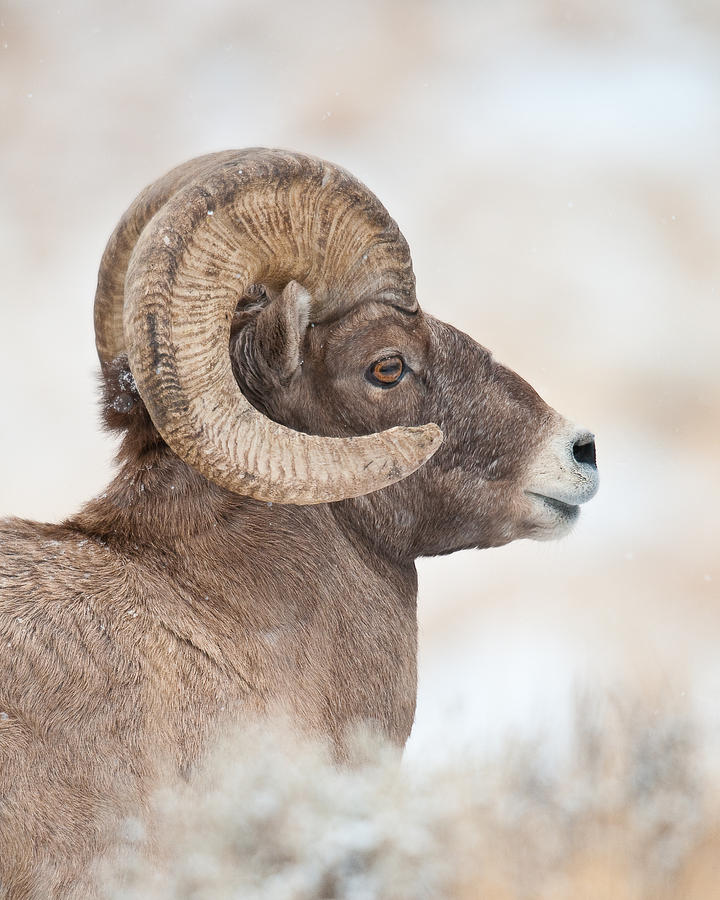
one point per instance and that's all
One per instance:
(130, 632)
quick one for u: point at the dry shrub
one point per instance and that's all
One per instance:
(631, 813)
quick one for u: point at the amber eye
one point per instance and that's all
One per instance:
(386, 372)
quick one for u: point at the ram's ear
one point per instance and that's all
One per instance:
(280, 329)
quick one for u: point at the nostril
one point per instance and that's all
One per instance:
(584, 451)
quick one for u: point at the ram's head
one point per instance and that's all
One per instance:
(266, 304)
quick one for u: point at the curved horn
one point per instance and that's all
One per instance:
(192, 243)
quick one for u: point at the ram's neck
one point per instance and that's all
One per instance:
(156, 500)
(277, 592)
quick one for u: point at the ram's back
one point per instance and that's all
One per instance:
(75, 702)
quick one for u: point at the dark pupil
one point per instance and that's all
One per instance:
(388, 370)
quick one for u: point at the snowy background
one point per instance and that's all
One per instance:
(555, 166)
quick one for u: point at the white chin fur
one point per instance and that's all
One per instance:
(551, 519)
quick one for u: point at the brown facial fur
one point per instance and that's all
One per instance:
(131, 631)
(470, 493)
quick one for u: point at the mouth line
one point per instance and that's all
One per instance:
(560, 506)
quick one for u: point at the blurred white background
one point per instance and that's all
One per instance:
(555, 167)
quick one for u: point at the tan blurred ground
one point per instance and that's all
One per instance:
(554, 166)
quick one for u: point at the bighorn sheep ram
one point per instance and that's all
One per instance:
(296, 432)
